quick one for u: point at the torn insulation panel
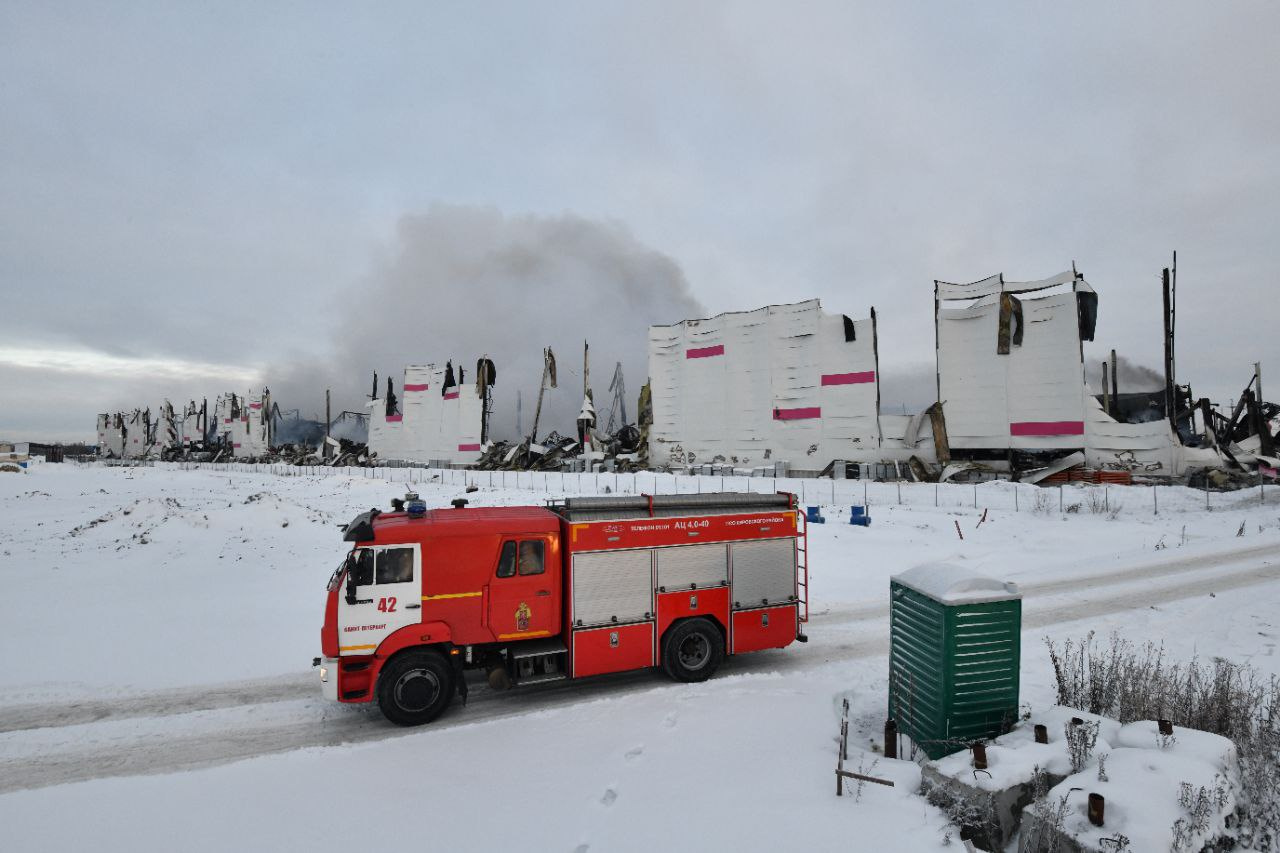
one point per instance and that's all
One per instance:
(784, 383)
(437, 419)
(1011, 364)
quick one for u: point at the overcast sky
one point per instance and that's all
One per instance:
(192, 196)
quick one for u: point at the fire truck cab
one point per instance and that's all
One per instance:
(581, 587)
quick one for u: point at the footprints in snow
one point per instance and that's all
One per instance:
(631, 756)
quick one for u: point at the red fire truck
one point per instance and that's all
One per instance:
(581, 587)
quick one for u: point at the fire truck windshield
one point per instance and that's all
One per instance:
(335, 580)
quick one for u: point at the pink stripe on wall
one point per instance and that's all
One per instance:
(452, 395)
(468, 447)
(849, 378)
(1047, 428)
(394, 419)
(797, 414)
(704, 352)
(255, 405)
(409, 387)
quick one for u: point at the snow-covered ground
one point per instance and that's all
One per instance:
(156, 690)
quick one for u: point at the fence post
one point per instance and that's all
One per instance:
(899, 492)
(975, 495)
(1155, 499)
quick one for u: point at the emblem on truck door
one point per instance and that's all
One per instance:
(522, 617)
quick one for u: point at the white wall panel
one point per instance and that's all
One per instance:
(752, 388)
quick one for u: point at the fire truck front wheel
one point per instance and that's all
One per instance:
(692, 650)
(415, 688)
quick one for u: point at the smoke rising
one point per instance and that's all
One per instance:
(1132, 376)
(459, 282)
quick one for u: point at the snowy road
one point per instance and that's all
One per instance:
(181, 729)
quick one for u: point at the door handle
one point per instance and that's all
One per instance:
(413, 607)
(544, 592)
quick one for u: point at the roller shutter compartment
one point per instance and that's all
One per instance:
(612, 587)
(763, 572)
(692, 565)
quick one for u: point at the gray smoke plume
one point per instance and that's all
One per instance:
(461, 282)
(1133, 376)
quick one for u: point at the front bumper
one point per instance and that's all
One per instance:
(328, 670)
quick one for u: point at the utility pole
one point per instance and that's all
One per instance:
(1115, 387)
(1168, 353)
(328, 425)
(548, 371)
(1106, 390)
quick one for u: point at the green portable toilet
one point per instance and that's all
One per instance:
(954, 652)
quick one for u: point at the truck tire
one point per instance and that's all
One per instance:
(692, 650)
(415, 688)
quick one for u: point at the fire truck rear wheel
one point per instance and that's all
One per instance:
(692, 650)
(415, 688)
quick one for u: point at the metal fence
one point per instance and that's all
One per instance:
(1111, 500)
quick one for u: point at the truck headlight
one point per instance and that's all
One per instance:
(324, 674)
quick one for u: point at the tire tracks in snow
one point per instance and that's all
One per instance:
(317, 726)
(1117, 577)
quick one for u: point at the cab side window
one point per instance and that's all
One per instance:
(395, 565)
(507, 560)
(531, 551)
(523, 558)
(363, 571)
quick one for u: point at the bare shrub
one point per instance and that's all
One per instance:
(1080, 740)
(1202, 807)
(1044, 831)
(1129, 683)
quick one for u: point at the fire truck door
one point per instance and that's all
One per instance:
(523, 598)
(388, 595)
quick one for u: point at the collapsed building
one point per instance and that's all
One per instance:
(111, 436)
(243, 424)
(793, 388)
(783, 385)
(441, 419)
(1012, 393)
(786, 389)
